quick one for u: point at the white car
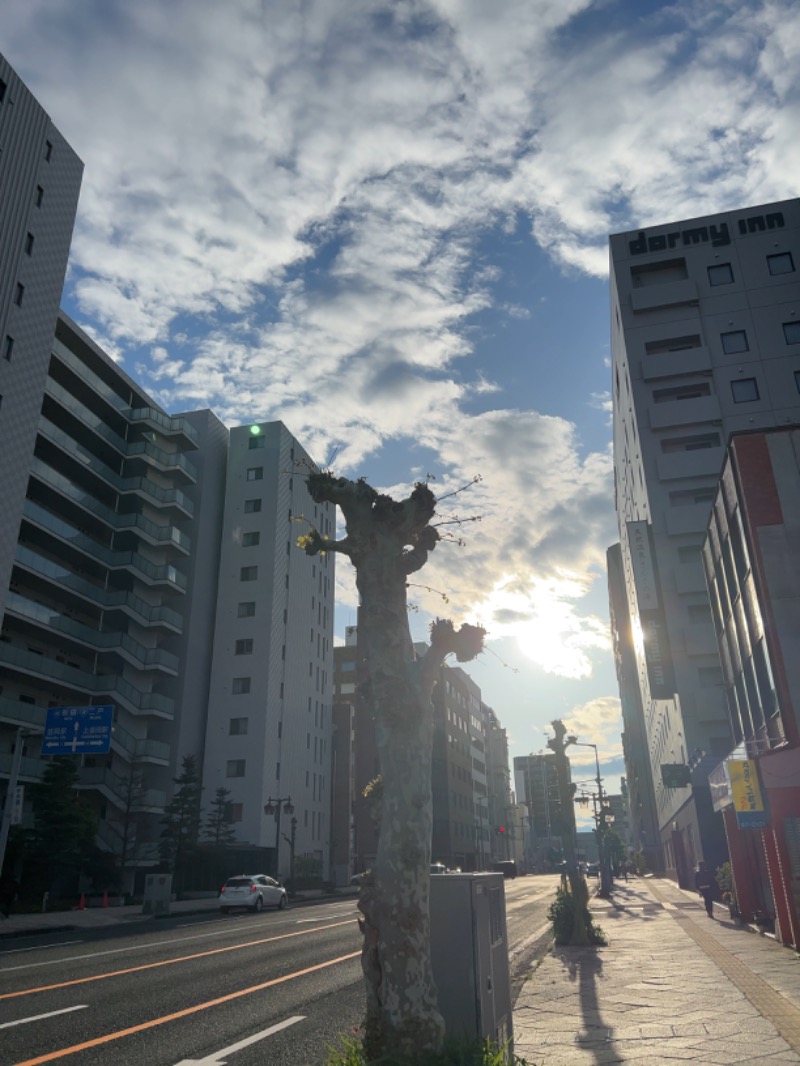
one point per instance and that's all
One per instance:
(254, 891)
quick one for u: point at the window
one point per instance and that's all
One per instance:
(673, 344)
(682, 392)
(39, 195)
(237, 727)
(791, 332)
(744, 390)
(255, 473)
(709, 676)
(687, 497)
(236, 811)
(248, 573)
(689, 553)
(18, 295)
(247, 608)
(661, 273)
(249, 540)
(720, 275)
(48, 150)
(735, 341)
(3, 88)
(797, 380)
(781, 263)
(255, 442)
(28, 244)
(244, 647)
(235, 768)
(690, 444)
(8, 348)
(252, 506)
(699, 612)
(240, 686)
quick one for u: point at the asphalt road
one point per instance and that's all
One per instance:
(244, 989)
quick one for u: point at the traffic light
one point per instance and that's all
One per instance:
(501, 829)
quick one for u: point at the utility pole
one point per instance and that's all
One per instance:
(13, 781)
(566, 791)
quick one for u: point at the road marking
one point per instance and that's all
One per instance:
(158, 943)
(50, 1056)
(41, 947)
(217, 1060)
(41, 1017)
(333, 917)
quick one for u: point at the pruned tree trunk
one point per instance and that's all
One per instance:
(386, 541)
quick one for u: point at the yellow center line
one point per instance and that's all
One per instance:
(97, 1041)
(169, 962)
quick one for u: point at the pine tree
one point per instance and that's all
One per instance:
(182, 816)
(63, 836)
(218, 828)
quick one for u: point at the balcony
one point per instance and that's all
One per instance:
(165, 424)
(118, 790)
(667, 294)
(30, 770)
(27, 715)
(139, 749)
(131, 650)
(171, 462)
(143, 527)
(150, 573)
(700, 462)
(108, 599)
(40, 666)
(671, 364)
(701, 409)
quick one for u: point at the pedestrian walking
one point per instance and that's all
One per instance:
(705, 884)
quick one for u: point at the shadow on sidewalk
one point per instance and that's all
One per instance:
(585, 966)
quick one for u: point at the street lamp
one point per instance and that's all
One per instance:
(274, 807)
(602, 819)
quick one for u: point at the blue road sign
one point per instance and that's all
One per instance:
(78, 730)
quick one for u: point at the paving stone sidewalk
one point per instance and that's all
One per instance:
(670, 986)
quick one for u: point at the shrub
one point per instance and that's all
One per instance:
(456, 1052)
(562, 916)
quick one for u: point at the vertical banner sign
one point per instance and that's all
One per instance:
(17, 804)
(746, 790)
(657, 654)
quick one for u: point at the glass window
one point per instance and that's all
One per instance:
(735, 341)
(690, 444)
(29, 244)
(237, 727)
(797, 380)
(255, 473)
(8, 348)
(39, 195)
(249, 540)
(244, 647)
(235, 768)
(19, 294)
(240, 685)
(721, 274)
(247, 608)
(252, 506)
(791, 331)
(255, 442)
(248, 573)
(781, 263)
(744, 390)
(682, 392)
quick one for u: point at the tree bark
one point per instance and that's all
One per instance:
(386, 541)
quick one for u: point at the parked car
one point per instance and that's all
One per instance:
(254, 891)
(593, 869)
(507, 867)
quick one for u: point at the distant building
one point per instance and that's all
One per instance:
(703, 345)
(536, 785)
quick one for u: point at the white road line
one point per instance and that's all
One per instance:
(41, 1017)
(327, 918)
(40, 947)
(215, 1059)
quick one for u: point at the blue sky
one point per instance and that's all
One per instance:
(386, 224)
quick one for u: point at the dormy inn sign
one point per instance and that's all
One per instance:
(718, 235)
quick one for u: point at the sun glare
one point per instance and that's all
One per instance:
(546, 624)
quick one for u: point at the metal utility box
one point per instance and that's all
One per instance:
(157, 894)
(469, 954)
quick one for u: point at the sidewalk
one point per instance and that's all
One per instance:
(671, 986)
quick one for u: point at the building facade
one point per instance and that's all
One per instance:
(702, 314)
(147, 560)
(751, 558)
(536, 785)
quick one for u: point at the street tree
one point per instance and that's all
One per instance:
(218, 828)
(62, 843)
(182, 817)
(386, 541)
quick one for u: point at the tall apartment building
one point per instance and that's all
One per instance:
(147, 561)
(703, 337)
(536, 785)
(269, 728)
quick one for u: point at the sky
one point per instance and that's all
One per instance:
(386, 224)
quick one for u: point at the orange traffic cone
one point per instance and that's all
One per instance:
(82, 902)
(105, 898)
